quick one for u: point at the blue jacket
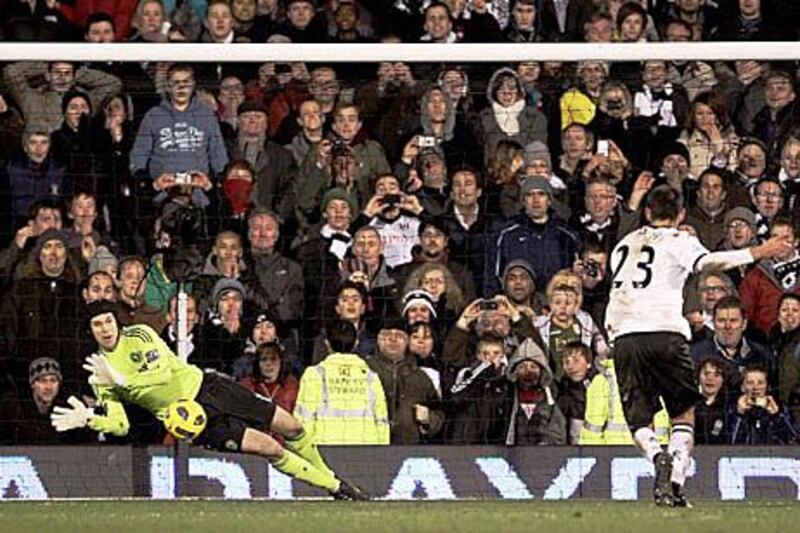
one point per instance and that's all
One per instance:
(29, 181)
(548, 247)
(179, 141)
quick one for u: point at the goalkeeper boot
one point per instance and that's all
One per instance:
(679, 498)
(662, 490)
(350, 492)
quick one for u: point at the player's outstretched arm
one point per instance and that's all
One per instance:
(78, 415)
(776, 246)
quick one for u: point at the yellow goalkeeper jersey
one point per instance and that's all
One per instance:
(155, 377)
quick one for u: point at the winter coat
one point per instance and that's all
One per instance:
(703, 151)
(710, 421)
(761, 292)
(532, 123)
(405, 386)
(478, 406)
(756, 427)
(27, 182)
(275, 171)
(275, 284)
(545, 424)
(548, 247)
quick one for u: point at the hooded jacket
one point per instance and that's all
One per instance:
(544, 424)
(532, 123)
(761, 292)
(179, 141)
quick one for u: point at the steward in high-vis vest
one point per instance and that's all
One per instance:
(604, 422)
(341, 400)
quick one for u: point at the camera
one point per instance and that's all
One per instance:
(592, 268)
(759, 401)
(183, 178)
(427, 141)
(488, 305)
(392, 199)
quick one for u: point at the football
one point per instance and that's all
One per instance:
(185, 419)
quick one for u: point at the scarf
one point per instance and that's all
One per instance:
(508, 117)
(238, 194)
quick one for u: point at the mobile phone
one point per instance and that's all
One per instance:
(602, 148)
(592, 268)
(488, 305)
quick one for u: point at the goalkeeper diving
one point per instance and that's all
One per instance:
(134, 365)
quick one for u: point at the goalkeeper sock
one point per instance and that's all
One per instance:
(304, 446)
(297, 467)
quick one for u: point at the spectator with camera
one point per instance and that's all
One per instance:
(592, 268)
(179, 143)
(758, 420)
(395, 215)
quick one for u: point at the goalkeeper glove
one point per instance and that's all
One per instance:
(103, 374)
(64, 418)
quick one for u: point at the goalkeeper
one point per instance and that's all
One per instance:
(134, 365)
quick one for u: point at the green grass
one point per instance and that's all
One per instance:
(374, 517)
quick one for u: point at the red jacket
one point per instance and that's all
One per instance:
(284, 394)
(761, 293)
(120, 10)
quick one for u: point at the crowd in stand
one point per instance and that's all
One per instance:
(396, 253)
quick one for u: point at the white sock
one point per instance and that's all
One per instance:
(647, 442)
(680, 448)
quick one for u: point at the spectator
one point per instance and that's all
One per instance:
(774, 122)
(119, 12)
(519, 287)
(180, 136)
(470, 227)
(311, 121)
(132, 286)
(41, 106)
(711, 412)
(223, 331)
(537, 236)
(740, 233)
(422, 345)
(567, 322)
(350, 306)
(578, 371)
(507, 117)
(414, 413)
(762, 287)
(275, 284)
(218, 23)
(329, 411)
(31, 176)
(730, 346)
(271, 376)
(522, 26)
(564, 21)
(446, 296)
(768, 199)
(40, 309)
(395, 215)
(479, 397)
(592, 267)
(758, 420)
(535, 418)
(194, 335)
(99, 286)
(274, 169)
(438, 24)
(707, 217)
(43, 215)
(302, 24)
(25, 420)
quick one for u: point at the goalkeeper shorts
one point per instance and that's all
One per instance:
(231, 409)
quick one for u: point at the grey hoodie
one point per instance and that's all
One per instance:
(425, 120)
(179, 141)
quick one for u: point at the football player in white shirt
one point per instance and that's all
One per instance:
(650, 336)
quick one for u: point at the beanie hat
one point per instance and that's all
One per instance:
(50, 234)
(224, 285)
(103, 260)
(740, 213)
(251, 105)
(519, 263)
(419, 297)
(43, 366)
(337, 193)
(537, 150)
(535, 183)
(71, 95)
